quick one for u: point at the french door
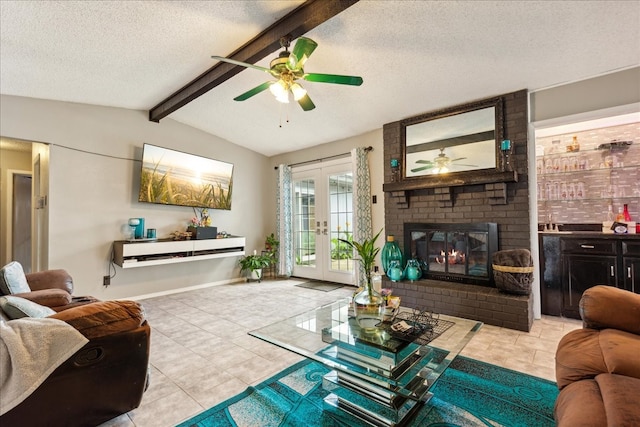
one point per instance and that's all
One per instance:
(322, 209)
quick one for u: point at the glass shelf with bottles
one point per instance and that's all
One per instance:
(564, 191)
(593, 160)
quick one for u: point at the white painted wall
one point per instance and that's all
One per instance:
(94, 172)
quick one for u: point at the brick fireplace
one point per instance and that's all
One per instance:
(504, 203)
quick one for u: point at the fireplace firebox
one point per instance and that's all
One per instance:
(459, 253)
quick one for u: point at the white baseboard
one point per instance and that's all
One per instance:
(180, 290)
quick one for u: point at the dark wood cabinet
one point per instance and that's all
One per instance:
(631, 265)
(572, 263)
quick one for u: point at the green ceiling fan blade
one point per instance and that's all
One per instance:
(459, 158)
(300, 53)
(306, 103)
(242, 64)
(424, 162)
(333, 78)
(424, 168)
(256, 90)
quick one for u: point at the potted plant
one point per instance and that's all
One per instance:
(271, 245)
(253, 264)
(368, 305)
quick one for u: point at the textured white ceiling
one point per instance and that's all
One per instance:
(414, 57)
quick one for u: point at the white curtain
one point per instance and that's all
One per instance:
(284, 220)
(362, 228)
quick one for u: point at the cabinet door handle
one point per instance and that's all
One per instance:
(612, 272)
(587, 246)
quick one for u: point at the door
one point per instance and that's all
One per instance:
(323, 214)
(21, 221)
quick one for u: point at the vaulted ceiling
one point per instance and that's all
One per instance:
(414, 57)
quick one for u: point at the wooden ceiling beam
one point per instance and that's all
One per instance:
(296, 23)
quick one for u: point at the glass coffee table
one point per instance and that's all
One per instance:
(381, 378)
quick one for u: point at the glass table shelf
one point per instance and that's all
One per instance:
(381, 378)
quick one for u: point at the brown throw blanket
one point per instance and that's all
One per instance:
(30, 350)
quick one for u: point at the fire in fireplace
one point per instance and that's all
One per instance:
(453, 252)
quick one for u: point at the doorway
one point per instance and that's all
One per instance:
(322, 215)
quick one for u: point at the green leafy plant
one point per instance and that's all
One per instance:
(367, 252)
(271, 244)
(255, 263)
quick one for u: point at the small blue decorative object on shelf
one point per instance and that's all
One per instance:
(505, 145)
(139, 233)
(412, 271)
(395, 272)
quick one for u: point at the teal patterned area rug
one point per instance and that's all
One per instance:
(469, 393)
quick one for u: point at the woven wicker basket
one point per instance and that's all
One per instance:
(513, 271)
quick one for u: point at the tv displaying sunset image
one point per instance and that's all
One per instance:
(172, 177)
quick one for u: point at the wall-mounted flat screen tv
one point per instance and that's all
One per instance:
(172, 177)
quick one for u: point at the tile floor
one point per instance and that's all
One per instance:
(201, 353)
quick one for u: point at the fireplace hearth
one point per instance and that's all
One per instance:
(459, 253)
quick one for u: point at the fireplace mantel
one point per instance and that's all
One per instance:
(437, 181)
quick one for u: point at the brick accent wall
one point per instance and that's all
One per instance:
(506, 204)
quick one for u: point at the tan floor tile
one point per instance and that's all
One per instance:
(166, 412)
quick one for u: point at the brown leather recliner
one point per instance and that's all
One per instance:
(598, 367)
(104, 379)
(54, 289)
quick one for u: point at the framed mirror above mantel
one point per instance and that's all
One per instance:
(456, 146)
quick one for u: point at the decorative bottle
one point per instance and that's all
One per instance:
(390, 252)
(610, 216)
(368, 306)
(376, 280)
(627, 216)
(620, 217)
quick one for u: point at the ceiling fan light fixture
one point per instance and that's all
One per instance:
(298, 91)
(278, 89)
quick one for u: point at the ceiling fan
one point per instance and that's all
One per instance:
(288, 68)
(439, 164)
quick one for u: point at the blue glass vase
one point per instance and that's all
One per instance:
(390, 252)
(395, 272)
(412, 271)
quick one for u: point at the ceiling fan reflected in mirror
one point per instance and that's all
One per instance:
(440, 164)
(288, 68)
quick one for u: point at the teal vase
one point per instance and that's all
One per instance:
(395, 272)
(390, 252)
(413, 271)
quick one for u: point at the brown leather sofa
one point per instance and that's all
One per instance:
(598, 366)
(105, 378)
(53, 289)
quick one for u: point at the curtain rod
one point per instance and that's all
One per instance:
(335, 156)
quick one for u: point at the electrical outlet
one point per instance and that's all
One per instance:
(106, 281)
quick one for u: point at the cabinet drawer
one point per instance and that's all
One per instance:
(631, 248)
(588, 246)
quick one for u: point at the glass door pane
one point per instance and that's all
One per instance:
(304, 222)
(341, 221)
